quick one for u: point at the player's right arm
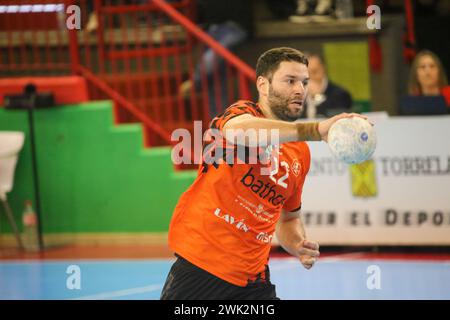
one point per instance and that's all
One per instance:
(287, 131)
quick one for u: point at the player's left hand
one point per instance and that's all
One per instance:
(308, 253)
(325, 125)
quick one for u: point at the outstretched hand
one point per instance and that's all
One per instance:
(325, 125)
(308, 253)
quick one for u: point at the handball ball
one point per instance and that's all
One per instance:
(352, 140)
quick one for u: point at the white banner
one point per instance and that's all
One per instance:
(400, 197)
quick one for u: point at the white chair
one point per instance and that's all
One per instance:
(11, 142)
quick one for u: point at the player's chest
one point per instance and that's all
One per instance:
(273, 179)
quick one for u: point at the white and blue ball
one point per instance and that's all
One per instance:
(352, 140)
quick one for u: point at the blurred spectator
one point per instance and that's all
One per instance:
(427, 77)
(324, 98)
(432, 8)
(92, 23)
(281, 9)
(229, 23)
(313, 10)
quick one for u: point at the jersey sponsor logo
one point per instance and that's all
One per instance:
(239, 224)
(264, 237)
(260, 209)
(256, 211)
(295, 168)
(264, 191)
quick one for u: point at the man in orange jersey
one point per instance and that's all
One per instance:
(222, 226)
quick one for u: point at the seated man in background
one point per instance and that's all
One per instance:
(325, 98)
(427, 77)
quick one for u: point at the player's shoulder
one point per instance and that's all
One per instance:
(299, 154)
(299, 148)
(246, 106)
(238, 108)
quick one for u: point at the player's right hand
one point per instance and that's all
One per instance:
(325, 125)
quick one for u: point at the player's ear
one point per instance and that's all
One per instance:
(262, 84)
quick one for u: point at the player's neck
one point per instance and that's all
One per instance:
(266, 110)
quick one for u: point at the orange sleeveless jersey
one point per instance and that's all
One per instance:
(225, 221)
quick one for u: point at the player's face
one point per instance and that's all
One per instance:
(427, 72)
(288, 90)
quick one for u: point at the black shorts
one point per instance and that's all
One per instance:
(189, 282)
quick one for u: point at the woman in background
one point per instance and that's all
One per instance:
(427, 77)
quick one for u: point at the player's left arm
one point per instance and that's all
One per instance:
(292, 237)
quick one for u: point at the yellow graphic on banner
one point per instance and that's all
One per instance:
(363, 177)
(348, 65)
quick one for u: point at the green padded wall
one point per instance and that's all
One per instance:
(94, 176)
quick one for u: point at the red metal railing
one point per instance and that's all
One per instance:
(144, 55)
(25, 32)
(244, 71)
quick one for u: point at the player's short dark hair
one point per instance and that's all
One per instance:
(270, 60)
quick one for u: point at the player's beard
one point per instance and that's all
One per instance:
(279, 104)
